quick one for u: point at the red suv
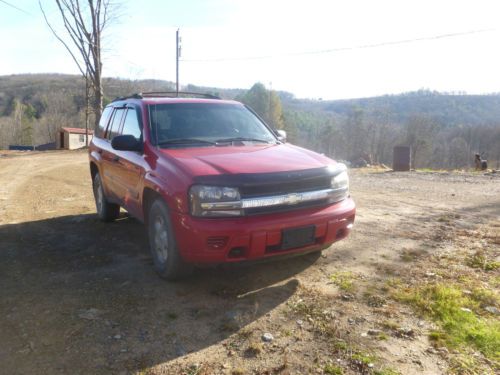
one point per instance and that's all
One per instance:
(213, 183)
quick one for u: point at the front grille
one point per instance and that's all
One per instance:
(285, 208)
(278, 188)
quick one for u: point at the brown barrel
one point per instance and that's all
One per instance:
(401, 158)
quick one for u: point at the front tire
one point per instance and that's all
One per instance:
(105, 210)
(166, 258)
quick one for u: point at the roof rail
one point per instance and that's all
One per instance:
(175, 94)
(166, 94)
(133, 96)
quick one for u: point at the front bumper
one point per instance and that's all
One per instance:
(221, 240)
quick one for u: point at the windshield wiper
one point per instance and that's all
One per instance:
(185, 141)
(240, 139)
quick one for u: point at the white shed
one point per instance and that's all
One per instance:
(72, 138)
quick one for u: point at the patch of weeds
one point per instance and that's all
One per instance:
(494, 281)
(254, 349)
(466, 364)
(438, 338)
(444, 219)
(344, 280)
(374, 300)
(481, 261)
(333, 370)
(393, 282)
(172, 315)
(389, 324)
(315, 310)
(453, 310)
(286, 332)
(485, 297)
(237, 371)
(284, 365)
(405, 256)
(411, 255)
(363, 358)
(362, 361)
(244, 333)
(382, 336)
(448, 218)
(229, 326)
(386, 371)
(340, 345)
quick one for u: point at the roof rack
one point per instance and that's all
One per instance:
(175, 94)
(167, 94)
(133, 96)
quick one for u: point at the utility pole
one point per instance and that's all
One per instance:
(269, 115)
(177, 56)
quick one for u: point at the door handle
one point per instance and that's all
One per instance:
(116, 158)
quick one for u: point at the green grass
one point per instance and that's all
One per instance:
(459, 328)
(344, 280)
(382, 336)
(340, 345)
(364, 358)
(386, 371)
(333, 370)
(479, 260)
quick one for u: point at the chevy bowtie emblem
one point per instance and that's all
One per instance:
(292, 198)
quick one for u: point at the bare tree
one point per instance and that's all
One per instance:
(84, 22)
(420, 133)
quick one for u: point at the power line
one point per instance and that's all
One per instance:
(13, 6)
(342, 49)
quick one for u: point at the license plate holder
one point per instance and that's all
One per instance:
(297, 237)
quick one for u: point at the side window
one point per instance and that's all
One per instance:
(103, 121)
(131, 124)
(114, 126)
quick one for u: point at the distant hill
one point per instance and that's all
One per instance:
(446, 109)
(443, 129)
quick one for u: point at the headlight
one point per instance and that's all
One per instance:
(340, 181)
(340, 185)
(213, 201)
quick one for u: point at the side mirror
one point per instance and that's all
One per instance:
(281, 135)
(126, 143)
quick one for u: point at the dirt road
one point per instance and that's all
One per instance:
(79, 296)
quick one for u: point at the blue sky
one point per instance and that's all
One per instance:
(234, 43)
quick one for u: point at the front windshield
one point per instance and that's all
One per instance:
(184, 124)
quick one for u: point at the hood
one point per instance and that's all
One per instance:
(202, 161)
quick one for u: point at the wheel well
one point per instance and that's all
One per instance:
(148, 196)
(93, 170)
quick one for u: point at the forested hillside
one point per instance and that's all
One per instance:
(444, 130)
